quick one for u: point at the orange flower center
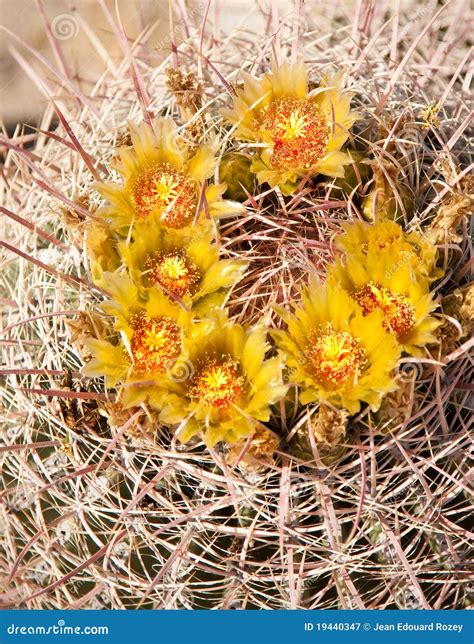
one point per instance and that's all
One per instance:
(399, 312)
(160, 188)
(156, 343)
(334, 357)
(299, 132)
(174, 271)
(218, 383)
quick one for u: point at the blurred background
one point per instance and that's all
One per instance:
(77, 37)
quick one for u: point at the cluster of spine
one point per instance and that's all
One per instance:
(113, 494)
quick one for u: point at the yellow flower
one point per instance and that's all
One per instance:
(377, 283)
(235, 171)
(335, 353)
(102, 249)
(384, 237)
(184, 264)
(164, 181)
(230, 387)
(150, 346)
(296, 132)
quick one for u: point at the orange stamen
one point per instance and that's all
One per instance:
(399, 312)
(155, 344)
(174, 271)
(167, 191)
(299, 132)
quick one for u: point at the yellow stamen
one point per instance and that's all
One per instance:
(334, 358)
(166, 189)
(174, 271)
(155, 339)
(294, 126)
(218, 383)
